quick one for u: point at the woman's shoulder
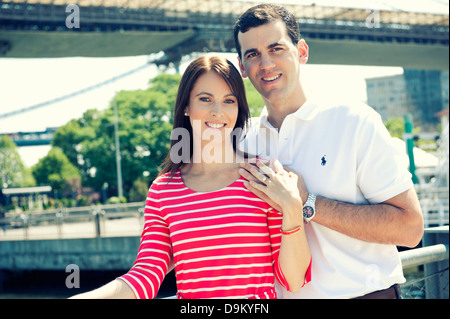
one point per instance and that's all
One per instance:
(165, 179)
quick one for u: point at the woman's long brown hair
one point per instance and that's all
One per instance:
(196, 68)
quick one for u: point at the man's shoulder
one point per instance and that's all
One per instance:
(357, 111)
(351, 107)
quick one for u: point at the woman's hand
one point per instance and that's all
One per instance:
(272, 183)
(276, 183)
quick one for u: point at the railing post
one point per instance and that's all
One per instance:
(141, 217)
(59, 221)
(410, 148)
(98, 216)
(437, 286)
(24, 218)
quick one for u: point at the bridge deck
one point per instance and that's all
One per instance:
(236, 7)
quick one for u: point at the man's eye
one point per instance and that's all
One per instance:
(251, 55)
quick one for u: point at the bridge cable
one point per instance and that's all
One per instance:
(73, 94)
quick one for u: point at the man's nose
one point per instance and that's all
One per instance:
(266, 61)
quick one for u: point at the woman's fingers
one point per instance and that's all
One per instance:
(258, 172)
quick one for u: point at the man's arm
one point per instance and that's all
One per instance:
(397, 221)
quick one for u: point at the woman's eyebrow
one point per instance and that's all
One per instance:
(204, 93)
(209, 94)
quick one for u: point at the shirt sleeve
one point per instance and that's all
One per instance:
(274, 220)
(381, 171)
(150, 267)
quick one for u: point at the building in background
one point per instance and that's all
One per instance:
(422, 93)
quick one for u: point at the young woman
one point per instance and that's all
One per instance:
(224, 241)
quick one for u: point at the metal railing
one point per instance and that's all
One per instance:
(77, 222)
(426, 268)
(434, 202)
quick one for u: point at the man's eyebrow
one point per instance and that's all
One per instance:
(249, 51)
(273, 45)
(270, 46)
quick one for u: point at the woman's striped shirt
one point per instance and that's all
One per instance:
(225, 243)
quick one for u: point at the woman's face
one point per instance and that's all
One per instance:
(213, 108)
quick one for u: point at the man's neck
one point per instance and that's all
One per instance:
(277, 112)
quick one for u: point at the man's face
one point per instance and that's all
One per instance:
(271, 61)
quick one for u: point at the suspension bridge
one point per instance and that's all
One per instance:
(168, 30)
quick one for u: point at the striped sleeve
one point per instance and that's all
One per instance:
(150, 267)
(275, 219)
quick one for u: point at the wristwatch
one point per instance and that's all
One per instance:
(309, 209)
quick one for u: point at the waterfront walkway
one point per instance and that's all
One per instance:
(128, 226)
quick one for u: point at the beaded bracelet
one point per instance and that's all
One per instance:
(290, 232)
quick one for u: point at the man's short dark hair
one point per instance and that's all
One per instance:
(263, 14)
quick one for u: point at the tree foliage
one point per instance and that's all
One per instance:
(13, 172)
(56, 170)
(144, 126)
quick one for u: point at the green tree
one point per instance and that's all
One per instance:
(139, 190)
(254, 99)
(144, 127)
(70, 136)
(395, 126)
(13, 172)
(56, 170)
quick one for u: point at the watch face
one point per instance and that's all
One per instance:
(308, 212)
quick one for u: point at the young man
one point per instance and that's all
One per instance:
(358, 196)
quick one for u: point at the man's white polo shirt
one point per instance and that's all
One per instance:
(344, 153)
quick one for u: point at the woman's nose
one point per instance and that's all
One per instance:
(217, 109)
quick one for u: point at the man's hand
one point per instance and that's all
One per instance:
(303, 191)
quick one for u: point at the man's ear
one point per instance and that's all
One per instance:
(241, 67)
(303, 51)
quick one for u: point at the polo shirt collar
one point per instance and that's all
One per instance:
(306, 112)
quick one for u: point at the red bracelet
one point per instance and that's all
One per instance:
(290, 232)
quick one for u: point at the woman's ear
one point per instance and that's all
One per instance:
(186, 111)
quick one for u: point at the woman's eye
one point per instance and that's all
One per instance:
(230, 101)
(205, 99)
